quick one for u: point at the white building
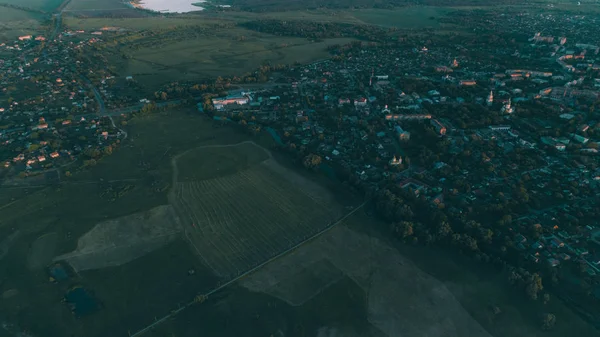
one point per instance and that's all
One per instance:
(490, 98)
(396, 161)
(507, 108)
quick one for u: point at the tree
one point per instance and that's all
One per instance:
(534, 286)
(312, 161)
(403, 229)
(546, 298)
(548, 321)
(444, 229)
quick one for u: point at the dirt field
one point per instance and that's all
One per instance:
(402, 300)
(118, 241)
(250, 211)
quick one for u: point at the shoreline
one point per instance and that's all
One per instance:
(140, 5)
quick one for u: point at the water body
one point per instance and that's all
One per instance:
(171, 6)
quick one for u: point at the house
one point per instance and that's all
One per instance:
(467, 83)
(565, 256)
(396, 161)
(553, 262)
(402, 134)
(439, 127)
(360, 102)
(520, 238)
(24, 37)
(343, 101)
(237, 97)
(413, 184)
(556, 242)
(54, 155)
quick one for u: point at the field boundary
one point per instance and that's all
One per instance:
(173, 313)
(175, 174)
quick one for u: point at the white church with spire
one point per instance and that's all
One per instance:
(508, 108)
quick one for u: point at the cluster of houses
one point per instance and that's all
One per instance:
(364, 113)
(58, 122)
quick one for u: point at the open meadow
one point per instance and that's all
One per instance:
(42, 5)
(14, 23)
(103, 8)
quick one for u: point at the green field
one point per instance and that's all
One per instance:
(403, 18)
(14, 23)
(44, 5)
(96, 8)
(211, 44)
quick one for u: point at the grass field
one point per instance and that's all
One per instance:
(44, 5)
(14, 22)
(97, 8)
(220, 55)
(404, 18)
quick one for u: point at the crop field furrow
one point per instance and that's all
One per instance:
(226, 227)
(205, 242)
(276, 192)
(187, 213)
(239, 253)
(285, 197)
(211, 241)
(230, 237)
(292, 218)
(261, 216)
(202, 223)
(252, 235)
(260, 225)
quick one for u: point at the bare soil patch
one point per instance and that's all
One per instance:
(118, 241)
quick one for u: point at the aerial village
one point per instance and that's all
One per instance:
(461, 131)
(50, 116)
(455, 126)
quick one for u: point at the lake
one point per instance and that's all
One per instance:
(170, 6)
